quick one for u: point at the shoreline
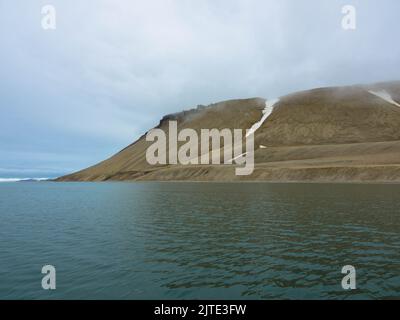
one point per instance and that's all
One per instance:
(238, 182)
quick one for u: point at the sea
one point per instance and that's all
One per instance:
(182, 240)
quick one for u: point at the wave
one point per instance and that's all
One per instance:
(22, 179)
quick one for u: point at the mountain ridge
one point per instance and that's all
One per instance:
(329, 134)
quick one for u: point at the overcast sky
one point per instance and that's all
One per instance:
(73, 96)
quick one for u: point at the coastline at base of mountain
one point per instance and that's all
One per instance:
(341, 134)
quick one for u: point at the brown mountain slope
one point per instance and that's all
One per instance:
(332, 116)
(344, 134)
(130, 163)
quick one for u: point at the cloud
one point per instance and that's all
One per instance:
(112, 69)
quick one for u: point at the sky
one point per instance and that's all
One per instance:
(75, 95)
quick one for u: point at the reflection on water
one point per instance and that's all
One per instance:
(199, 240)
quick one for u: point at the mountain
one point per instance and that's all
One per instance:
(337, 134)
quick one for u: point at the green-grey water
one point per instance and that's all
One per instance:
(199, 240)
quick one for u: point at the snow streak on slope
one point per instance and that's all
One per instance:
(383, 94)
(269, 107)
(239, 156)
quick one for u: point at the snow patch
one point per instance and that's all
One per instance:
(269, 107)
(239, 156)
(383, 94)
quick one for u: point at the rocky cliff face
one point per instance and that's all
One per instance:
(344, 134)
